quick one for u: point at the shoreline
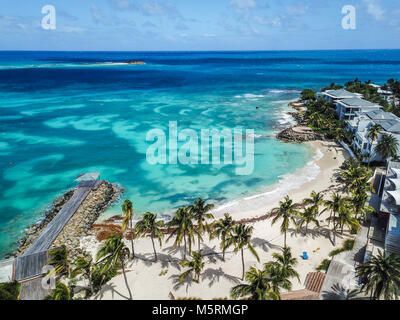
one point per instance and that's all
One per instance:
(158, 280)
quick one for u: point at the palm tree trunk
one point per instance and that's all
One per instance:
(184, 251)
(126, 280)
(284, 240)
(154, 248)
(223, 248)
(133, 249)
(242, 264)
(199, 243)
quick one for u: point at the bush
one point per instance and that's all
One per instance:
(10, 290)
(324, 266)
(308, 94)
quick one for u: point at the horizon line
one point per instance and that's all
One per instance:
(234, 50)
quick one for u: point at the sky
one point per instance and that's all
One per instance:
(192, 25)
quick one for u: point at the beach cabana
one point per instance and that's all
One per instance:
(396, 183)
(396, 196)
(396, 171)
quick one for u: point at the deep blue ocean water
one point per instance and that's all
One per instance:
(63, 113)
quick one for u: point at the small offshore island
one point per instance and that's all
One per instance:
(306, 243)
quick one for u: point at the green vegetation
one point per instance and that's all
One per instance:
(10, 290)
(288, 213)
(370, 93)
(222, 229)
(200, 212)
(324, 266)
(348, 245)
(61, 292)
(196, 265)
(308, 94)
(381, 276)
(240, 239)
(387, 146)
(149, 225)
(127, 210)
(111, 255)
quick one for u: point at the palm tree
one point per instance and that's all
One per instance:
(387, 146)
(200, 214)
(58, 257)
(148, 224)
(308, 216)
(354, 177)
(61, 292)
(240, 239)
(345, 218)
(84, 267)
(336, 205)
(282, 269)
(196, 265)
(113, 253)
(127, 210)
(373, 133)
(258, 287)
(287, 212)
(358, 203)
(183, 227)
(222, 229)
(381, 275)
(315, 200)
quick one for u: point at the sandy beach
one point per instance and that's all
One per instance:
(151, 280)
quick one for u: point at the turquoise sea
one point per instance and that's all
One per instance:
(63, 113)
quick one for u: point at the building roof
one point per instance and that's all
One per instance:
(341, 94)
(388, 203)
(390, 125)
(357, 102)
(314, 281)
(379, 114)
(302, 294)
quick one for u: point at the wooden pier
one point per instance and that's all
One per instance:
(28, 268)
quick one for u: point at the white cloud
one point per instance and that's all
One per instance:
(296, 10)
(374, 9)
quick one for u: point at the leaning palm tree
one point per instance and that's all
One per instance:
(257, 288)
(337, 205)
(127, 210)
(61, 292)
(373, 133)
(222, 229)
(381, 276)
(196, 265)
(58, 257)
(112, 254)
(308, 216)
(83, 266)
(200, 212)
(387, 146)
(183, 228)
(149, 225)
(240, 239)
(288, 213)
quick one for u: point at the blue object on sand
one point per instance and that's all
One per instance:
(305, 256)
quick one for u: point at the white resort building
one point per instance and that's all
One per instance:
(363, 121)
(335, 95)
(346, 108)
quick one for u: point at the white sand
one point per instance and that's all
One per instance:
(219, 277)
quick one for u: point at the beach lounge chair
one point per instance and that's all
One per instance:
(305, 256)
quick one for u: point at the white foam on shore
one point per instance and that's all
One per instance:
(277, 191)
